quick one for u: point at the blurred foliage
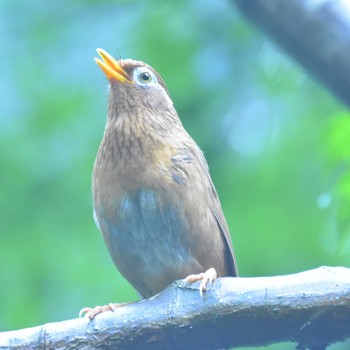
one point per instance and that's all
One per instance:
(337, 150)
(276, 142)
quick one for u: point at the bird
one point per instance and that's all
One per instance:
(153, 198)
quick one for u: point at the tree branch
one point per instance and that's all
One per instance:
(311, 308)
(316, 33)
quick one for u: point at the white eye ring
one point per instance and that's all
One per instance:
(144, 76)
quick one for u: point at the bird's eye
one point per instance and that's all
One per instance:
(145, 77)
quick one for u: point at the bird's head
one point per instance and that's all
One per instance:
(135, 87)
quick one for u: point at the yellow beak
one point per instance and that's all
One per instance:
(111, 67)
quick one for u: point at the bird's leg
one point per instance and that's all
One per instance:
(91, 312)
(206, 278)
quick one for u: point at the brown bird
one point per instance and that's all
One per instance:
(153, 198)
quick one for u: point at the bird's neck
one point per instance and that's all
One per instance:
(134, 141)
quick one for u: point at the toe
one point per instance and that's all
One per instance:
(91, 313)
(206, 278)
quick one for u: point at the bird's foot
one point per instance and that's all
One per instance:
(91, 312)
(206, 278)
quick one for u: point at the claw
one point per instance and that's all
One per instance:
(91, 312)
(207, 278)
(84, 311)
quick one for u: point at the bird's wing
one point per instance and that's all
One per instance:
(192, 154)
(220, 219)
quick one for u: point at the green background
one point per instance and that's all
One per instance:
(277, 144)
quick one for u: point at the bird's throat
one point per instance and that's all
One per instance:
(134, 143)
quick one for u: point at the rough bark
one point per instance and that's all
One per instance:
(311, 308)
